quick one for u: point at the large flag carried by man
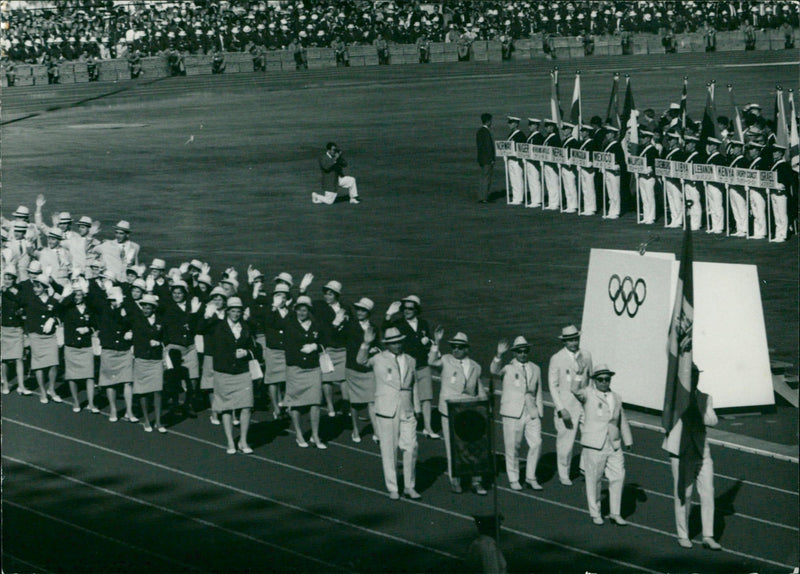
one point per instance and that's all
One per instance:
(555, 104)
(612, 114)
(575, 113)
(794, 136)
(681, 418)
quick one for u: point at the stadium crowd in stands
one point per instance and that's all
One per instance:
(98, 29)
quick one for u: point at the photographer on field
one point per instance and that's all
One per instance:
(332, 164)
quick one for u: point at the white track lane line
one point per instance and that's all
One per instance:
(34, 567)
(636, 567)
(246, 492)
(99, 534)
(201, 521)
(524, 534)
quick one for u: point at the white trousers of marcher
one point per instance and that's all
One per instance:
(716, 209)
(588, 191)
(513, 431)
(399, 431)
(647, 191)
(738, 199)
(696, 210)
(551, 185)
(449, 453)
(565, 442)
(758, 207)
(515, 181)
(612, 463)
(780, 215)
(612, 192)
(569, 180)
(705, 488)
(533, 177)
(675, 202)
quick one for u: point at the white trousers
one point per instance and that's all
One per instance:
(675, 202)
(612, 192)
(569, 180)
(716, 209)
(533, 177)
(780, 215)
(399, 431)
(565, 442)
(513, 431)
(588, 191)
(758, 207)
(696, 210)
(551, 185)
(596, 463)
(705, 489)
(348, 182)
(515, 181)
(647, 192)
(449, 452)
(739, 207)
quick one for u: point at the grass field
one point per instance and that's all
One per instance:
(221, 168)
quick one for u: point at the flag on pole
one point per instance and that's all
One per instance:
(708, 128)
(627, 105)
(612, 115)
(678, 393)
(781, 128)
(555, 105)
(575, 112)
(737, 117)
(794, 137)
(683, 105)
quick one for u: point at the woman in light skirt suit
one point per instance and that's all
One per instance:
(79, 322)
(148, 358)
(303, 375)
(232, 348)
(41, 319)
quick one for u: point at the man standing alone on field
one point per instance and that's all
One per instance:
(332, 164)
(486, 157)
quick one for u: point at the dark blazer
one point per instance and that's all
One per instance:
(785, 176)
(143, 333)
(12, 311)
(331, 335)
(112, 325)
(37, 312)
(225, 346)
(331, 170)
(275, 328)
(74, 320)
(536, 138)
(413, 345)
(355, 336)
(485, 144)
(179, 325)
(296, 337)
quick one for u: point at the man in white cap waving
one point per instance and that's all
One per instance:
(604, 429)
(569, 365)
(521, 409)
(394, 409)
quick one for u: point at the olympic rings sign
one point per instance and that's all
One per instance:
(626, 295)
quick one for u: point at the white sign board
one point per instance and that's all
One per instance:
(627, 309)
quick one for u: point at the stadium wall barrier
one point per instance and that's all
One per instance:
(482, 51)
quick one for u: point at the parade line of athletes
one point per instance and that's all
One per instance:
(179, 332)
(540, 184)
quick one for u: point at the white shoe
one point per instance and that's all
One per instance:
(515, 485)
(779, 240)
(355, 200)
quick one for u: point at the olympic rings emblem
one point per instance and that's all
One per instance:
(626, 295)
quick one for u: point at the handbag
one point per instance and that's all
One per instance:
(325, 362)
(255, 368)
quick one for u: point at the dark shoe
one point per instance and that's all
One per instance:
(483, 202)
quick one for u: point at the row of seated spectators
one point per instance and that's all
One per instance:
(106, 29)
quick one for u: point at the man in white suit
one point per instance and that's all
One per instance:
(604, 429)
(119, 253)
(394, 408)
(460, 380)
(570, 364)
(521, 409)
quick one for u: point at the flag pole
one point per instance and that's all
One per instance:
(493, 462)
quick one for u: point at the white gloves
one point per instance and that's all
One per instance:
(393, 308)
(241, 353)
(305, 282)
(210, 310)
(128, 335)
(48, 326)
(308, 348)
(195, 304)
